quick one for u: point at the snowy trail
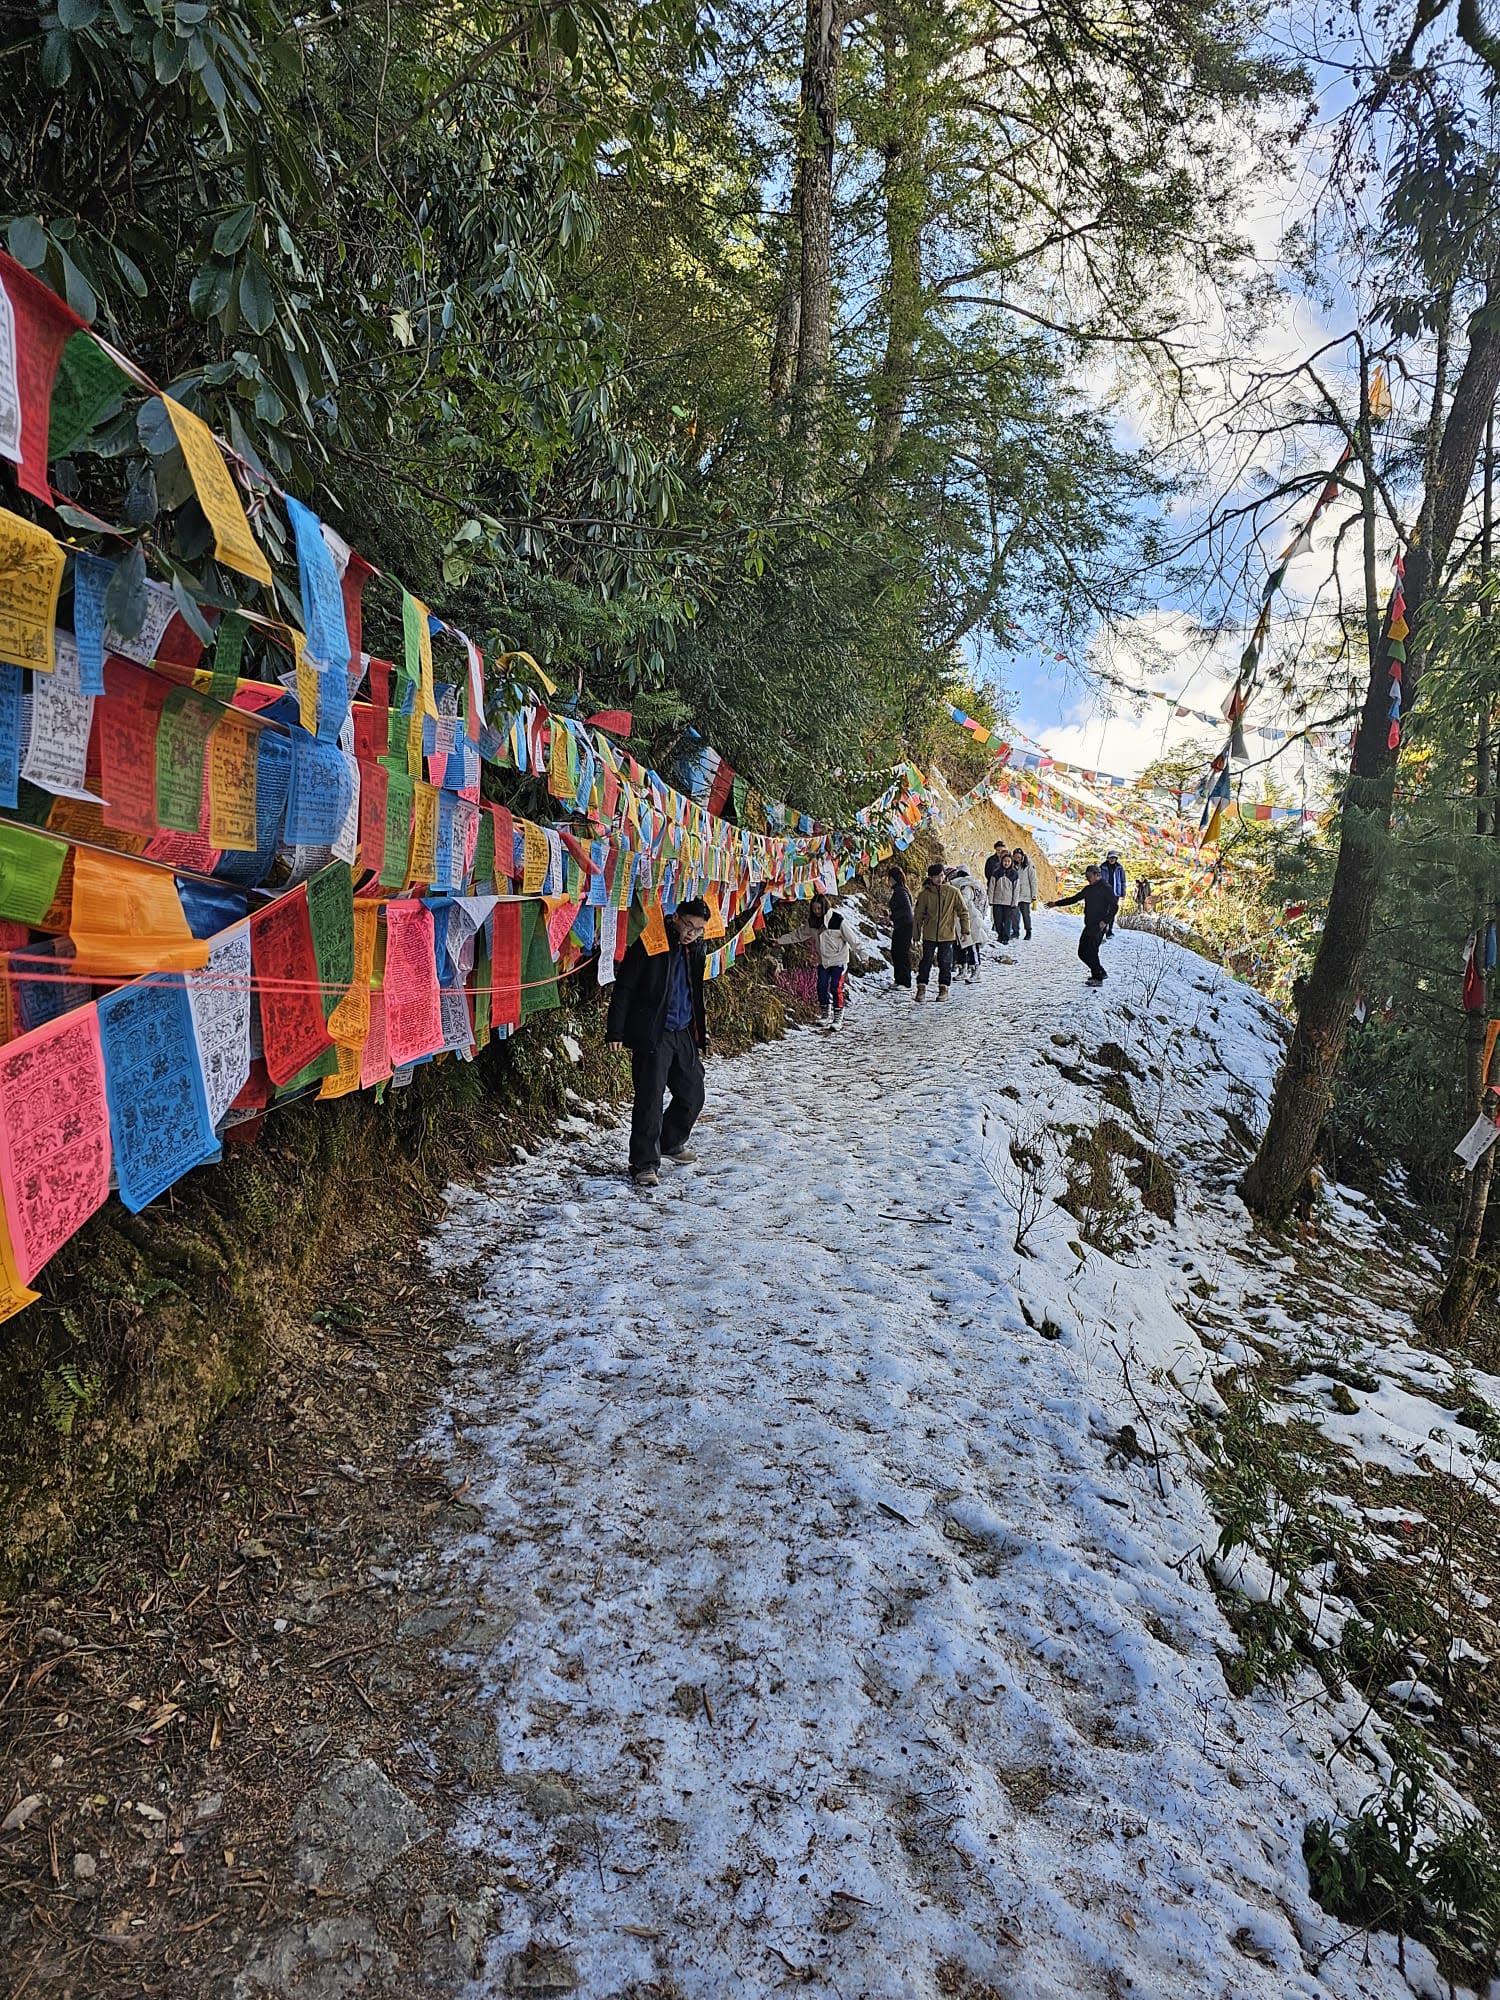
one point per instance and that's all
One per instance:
(830, 1641)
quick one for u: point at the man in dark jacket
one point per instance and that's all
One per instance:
(656, 1011)
(1099, 907)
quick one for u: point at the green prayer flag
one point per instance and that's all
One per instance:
(31, 866)
(330, 910)
(320, 1066)
(538, 969)
(398, 805)
(187, 721)
(85, 385)
(413, 631)
(228, 649)
(484, 851)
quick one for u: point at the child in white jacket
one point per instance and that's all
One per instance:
(833, 970)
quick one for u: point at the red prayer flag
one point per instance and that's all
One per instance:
(505, 843)
(126, 716)
(413, 1010)
(617, 721)
(374, 789)
(505, 1007)
(1473, 985)
(723, 785)
(352, 584)
(287, 984)
(34, 325)
(255, 1091)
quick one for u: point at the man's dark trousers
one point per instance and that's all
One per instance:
(1088, 949)
(943, 953)
(673, 1063)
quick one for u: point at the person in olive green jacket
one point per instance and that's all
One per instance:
(940, 919)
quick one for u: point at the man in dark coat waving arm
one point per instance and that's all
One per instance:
(1099, 907)
(656, 1011)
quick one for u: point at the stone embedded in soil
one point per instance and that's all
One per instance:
(331, 1959)
(454, 1932)
(350, 1830)
(541, 1968)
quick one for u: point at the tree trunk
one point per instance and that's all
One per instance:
(1461, 1289)
(904, 196)
(820, 117)
(1279, 1171)
(788, 319)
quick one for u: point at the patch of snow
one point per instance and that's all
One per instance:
(839, 1640)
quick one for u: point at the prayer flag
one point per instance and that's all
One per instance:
(234, 545)
(158, 1108)
(34, 325)
(54, 1135)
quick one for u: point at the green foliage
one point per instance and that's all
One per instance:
(495, 288)
(1407, 1863)
(1267, 1481)
(68, 1393)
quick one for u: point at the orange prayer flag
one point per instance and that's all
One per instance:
(127, 918)
(654, 936)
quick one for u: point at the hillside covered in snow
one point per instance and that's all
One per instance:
(933, 1546)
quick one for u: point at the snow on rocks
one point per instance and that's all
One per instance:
(856, 1632)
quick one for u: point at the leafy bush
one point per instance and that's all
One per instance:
(1407, 1864)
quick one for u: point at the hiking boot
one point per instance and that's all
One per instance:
(1092, 981)
(684, 1156)
(838, 1021)
(646, 1177)
(921, 994)
(942, 993)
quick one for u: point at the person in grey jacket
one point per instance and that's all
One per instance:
(1027, 891)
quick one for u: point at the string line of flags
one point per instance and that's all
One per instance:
(222, 893)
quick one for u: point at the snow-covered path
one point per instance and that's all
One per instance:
(831, 1639)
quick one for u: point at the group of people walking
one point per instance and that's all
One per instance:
(656, 1005)
(1010, 887)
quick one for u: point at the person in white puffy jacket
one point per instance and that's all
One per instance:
(833, 970)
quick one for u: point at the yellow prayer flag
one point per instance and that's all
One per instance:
(234, 544)
(654, 936)
(345, 1078)
(535, 858)
(13, 1294)
(1491, 1036)
(428, 693)
(559, 782)
(233, 764)
(31, 574)
(307, 685)
(424, 832)
(350, 1020)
